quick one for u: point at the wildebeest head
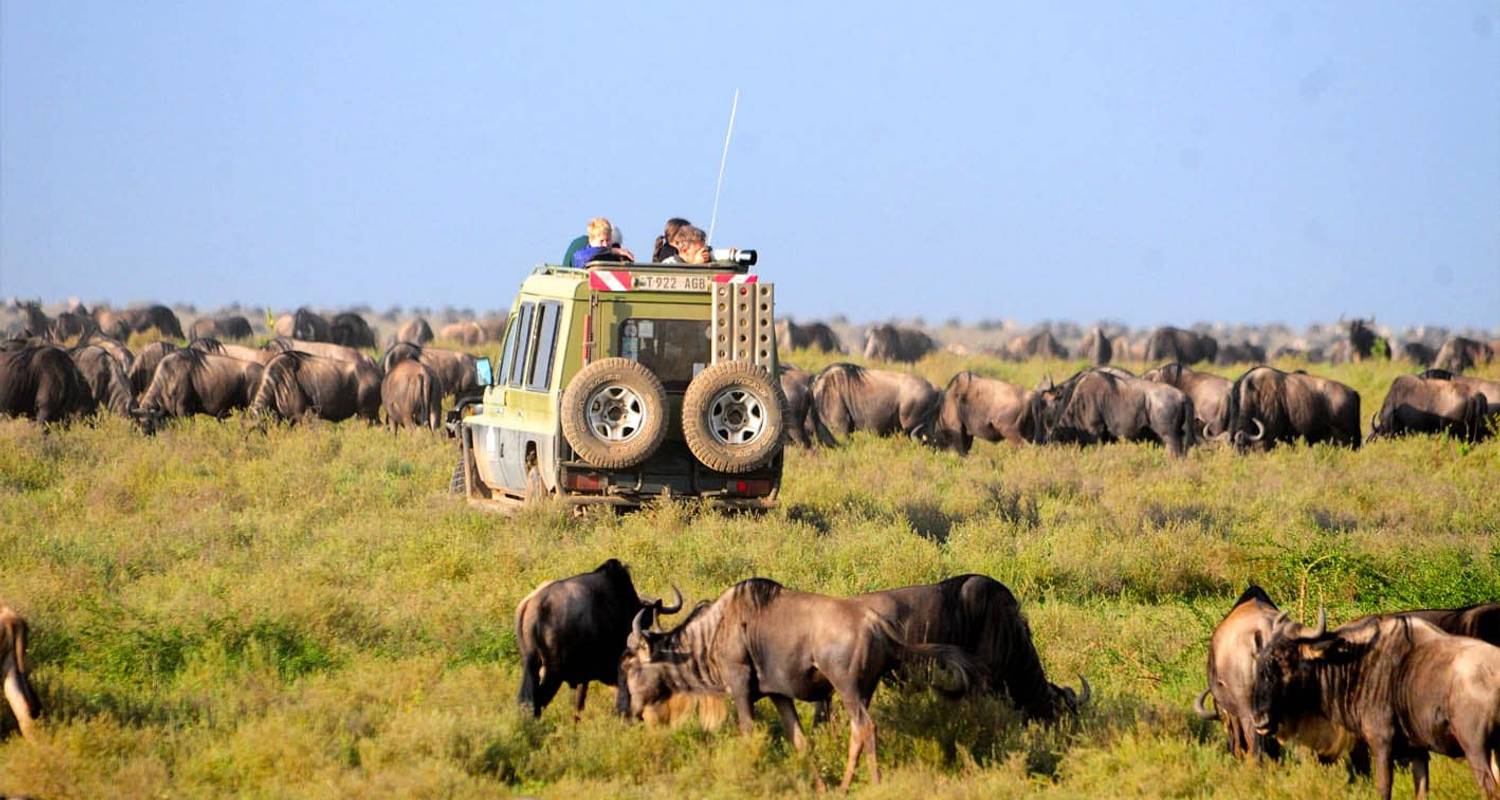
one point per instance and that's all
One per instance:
(647, 675)
(1286, 668)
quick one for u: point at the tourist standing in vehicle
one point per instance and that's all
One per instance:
(692, 247)
(664, 249)
(600, 248)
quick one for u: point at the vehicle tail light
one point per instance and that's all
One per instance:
(752, 488)
(585, 481)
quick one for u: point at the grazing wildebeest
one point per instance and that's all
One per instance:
(760, 639)
(120, 352)
(1174, 344)
(466, 332)
(297, 383)
(1231, 672)
(415, 330)
(1267, 406)
(23, 701)
(573, 631)
(1241, 353)
(141, 320)
(1097, 348)
(242, 352)
(304, 324)
(984, 408)
(43, 383)
(1210, 394)
(350, 330)
(1421, 405)
(890, 343)
(337, 352)
(1041, 344)
(188, 382)
(232, 326)
(1106, 405)
(1459, 354)
(851, 398)
(980, 616)
(1418, 353)
(75, 322)
(455, 369)
(1309, 354)
(1490, 389)
(111, 323)
(106, 379)
(1398, 683)
(412, 395)
(812, 336)
(144, 367)
(1360, 344)
(802, 425)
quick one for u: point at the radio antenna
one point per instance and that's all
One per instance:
(714, 218)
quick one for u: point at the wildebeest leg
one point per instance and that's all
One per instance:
(545, 691)
(1419, 775)
(1484, 763)
(580, 696)
(822, 712)
(15, 694)
(1380, 754)
(861, 736)
(793, 728)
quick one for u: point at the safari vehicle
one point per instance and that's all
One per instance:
(620, 383)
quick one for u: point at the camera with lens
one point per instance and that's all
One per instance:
(733, 255)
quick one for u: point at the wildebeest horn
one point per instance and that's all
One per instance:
(1201, 706)
(635, 626)
(1260, 430)
(1085, 692)
(1281, 619)
(1322, 622)
(663, 608)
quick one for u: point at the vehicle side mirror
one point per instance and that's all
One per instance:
(484, 372)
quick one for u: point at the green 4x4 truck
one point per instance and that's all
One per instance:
(625, 382)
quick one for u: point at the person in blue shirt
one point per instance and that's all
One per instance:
(599, 247)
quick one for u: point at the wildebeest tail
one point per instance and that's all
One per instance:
(531, 660)
(1189, 426)
(968, 671)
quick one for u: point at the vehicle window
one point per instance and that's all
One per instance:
(517, 355)
(539, 377)
(508, 351)
(674, 349)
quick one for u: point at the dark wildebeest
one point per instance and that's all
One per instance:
(1241, 353)
(37, 322)
(297, 383)
(1041, 344)
(802, 413)
(1310, 354)
(240, 351)
(23, 701)
(43, 383)
(233, 326)
(1459, 354)
(120, 352)
(1097, 348)
(106, 379)
(141, 320)
(1360, 344)
(415, 330)
(985, 408)
(890, 343)
(980, 616)
(455, 369)
(1398, 683)
(1267, 406)
(1104, 405)
(75, 322)
(850, 398)
(304, 324)
(337, 352)
(812, 336)
(760, 639)
(350, 330)
(412, 395)
(573, 631)
(1209, 392)
(1481, 620)
(1420, 405)
(1174, 344)
(1418, 353)
(189, 382)
(1231, 672)
(144, 367)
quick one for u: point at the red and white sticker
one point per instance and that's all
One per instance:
(735, 279)
(606, 280)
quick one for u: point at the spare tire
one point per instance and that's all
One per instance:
(614, 413)
(733, 417)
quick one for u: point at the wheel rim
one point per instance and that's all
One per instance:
(615, 413)
(736, 416)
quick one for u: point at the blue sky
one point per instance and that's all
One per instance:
(1157, 162)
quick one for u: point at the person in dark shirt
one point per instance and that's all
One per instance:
(692, 247)
(599, 247)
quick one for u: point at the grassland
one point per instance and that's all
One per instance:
(304, 612)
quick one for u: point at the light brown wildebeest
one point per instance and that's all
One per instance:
(1210, 394)
(1415, 404)
(1041, 344)
(232, 326)
(455, 370)
(119, 351)
(295, 384)
(240, 351)
(106, 379)
(304, 324)
(1459, 354)
(890, 343)
(466, 332)
(852, 398)
(1097, 348)
(1236, 642)
(337, 352)
(412, 396)
(188, 382)
(23, 701)
(415, 330)
(43, 383)
(984, 408)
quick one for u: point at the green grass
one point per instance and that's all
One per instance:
(304, 612)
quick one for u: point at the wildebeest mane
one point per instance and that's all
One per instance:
(1254, 592)
(1435, 374)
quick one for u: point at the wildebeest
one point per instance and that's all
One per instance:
(760, 639)
(1232, 650)
(1417, 353)
(984, 408)
(43, 383)
(144, 367)
(1459, 354)
(120, 352)
(1041, 344)
(455, 369)
(1174, 344)
(140, 320)
(1097, 348)
(889, 343)
(37, 323)
(74, 322)
(304, 324)
(573, 631)
(1241, 353)
(813, 336)
(350, 330)
(412, 396)
(1310, 354)
(1267, 406)
(1398, 683)
(336, 352)
(240, 351)
(232, 326)
(1361, 343)
(415, 330)
(465, 332)
(1421, 405)
(189, 382)
(850, 398)
(1104, 405)
(22, 699)
(802, 425)
(1209, 392)
(297, 383)
(1126, 350)
(980, 616)
(1490, 389)
(106, 379)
